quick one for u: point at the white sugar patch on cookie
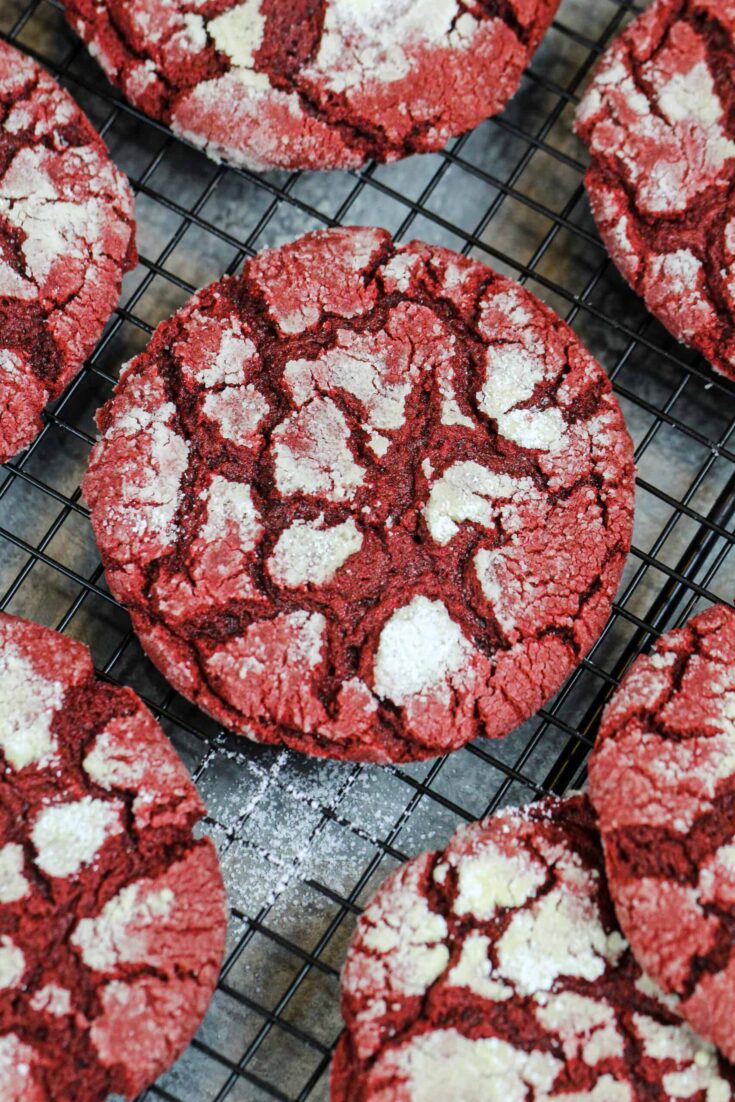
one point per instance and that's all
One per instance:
(469, 491)
(586, 1027)
(231, 505)
(410, 937)
(699, 1069)
(237, 412)
(374, 40)
(68, 836)
(16, 1063)
(691, 95)
(28, 702)
(12, 964)
(560, 935)
(308, 553)
(420, 648)
(492, 880)
(238, 33)
(312, 454)
(52, 226)
(512, 376)
(122, 932)
(475, 971)
(13, 884)
(52, 999)
(445, 1064)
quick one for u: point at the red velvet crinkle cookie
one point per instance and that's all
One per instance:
(659, 119)
(495, 970)
(112, 916)
(366, 501)
(314, 84)
(662, 779)
(67, 237)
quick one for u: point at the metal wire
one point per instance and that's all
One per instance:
(511, 194)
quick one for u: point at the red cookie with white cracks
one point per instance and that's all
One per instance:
(366, 501)
(67, 237)
(496, 970)
(659, 119)
(315, 84)
(112, 916)
(662, 779)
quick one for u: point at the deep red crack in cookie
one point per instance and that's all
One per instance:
(67, 236)
(659, 119)
(370, 502)
(314, 84)
(112, 916)
(662, 778)
(495, 970)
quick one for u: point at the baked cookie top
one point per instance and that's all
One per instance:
(496, 970)
(67, 237)
(662, 779)
(365, 500)
(112, 916)
(659, 120)
(314, 84)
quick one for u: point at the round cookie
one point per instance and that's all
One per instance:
(67, 237)
(314, 85)
(662, 779)
(659, 119)
(368, 501)
(495, 970)
(112, 916)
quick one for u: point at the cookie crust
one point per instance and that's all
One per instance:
(659, 120)
(367, 501)
(495, 969)
(315, 84)
(662, 778)
(112, 915)
(67, 237)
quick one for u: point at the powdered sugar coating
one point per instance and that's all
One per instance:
(316, 85)
(360, 577)
(662, 778)
(112, 916)
(66, 240)
(536, 995)
(658, 118)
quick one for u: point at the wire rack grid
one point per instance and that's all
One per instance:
(304, 843)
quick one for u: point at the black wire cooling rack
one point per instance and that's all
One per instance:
(304, 843)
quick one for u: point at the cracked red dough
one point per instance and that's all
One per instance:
(495, 970)
(314, 84)
(367, 501)
(662, 778)
(66, 239)
(659, 118)
(112, 917)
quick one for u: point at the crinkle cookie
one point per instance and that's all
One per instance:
(67, 237)
(314, 84)
(495, 970)
(662, 779)
(659, 119)
(368, 501)
(112, 916)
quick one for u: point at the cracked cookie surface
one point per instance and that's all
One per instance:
(496, 969)
(67, 237)
(112, 916)
(662, 778)
(316, 84)
(659, 119)
(367, 501)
